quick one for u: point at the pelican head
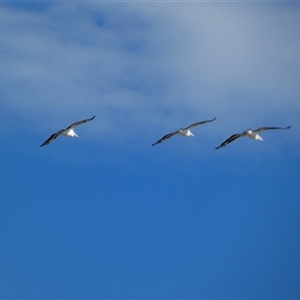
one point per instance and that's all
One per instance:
(249, 131)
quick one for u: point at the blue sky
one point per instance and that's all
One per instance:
(109, 216)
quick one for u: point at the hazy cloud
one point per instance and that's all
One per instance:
(142, 66)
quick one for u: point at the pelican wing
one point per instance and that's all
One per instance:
(231, 139)
(79, 123)
(198, 123)
(269, 128)
(167, 136)
(51, 138)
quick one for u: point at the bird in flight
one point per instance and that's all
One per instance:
(253, 134)
(69, 131)
(182, 131)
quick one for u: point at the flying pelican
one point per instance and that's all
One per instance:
(253, 134)
(183, 131)
(69, 131)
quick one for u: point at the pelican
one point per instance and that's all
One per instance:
(69, 131)
(253, 134)
(182, 131)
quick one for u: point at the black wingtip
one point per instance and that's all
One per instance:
(289, 127)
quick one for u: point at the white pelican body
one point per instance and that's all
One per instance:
(182, 131)
(69, 131)
(185, 132)
(253, 134)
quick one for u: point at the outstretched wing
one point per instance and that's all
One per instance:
(231, 139)
(79, 123)
(198, 123)
(51, 138)
(167, 136)
(269, 128)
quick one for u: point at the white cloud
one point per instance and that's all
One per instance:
(142, 66)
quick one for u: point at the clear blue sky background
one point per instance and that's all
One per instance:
(109, 216)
